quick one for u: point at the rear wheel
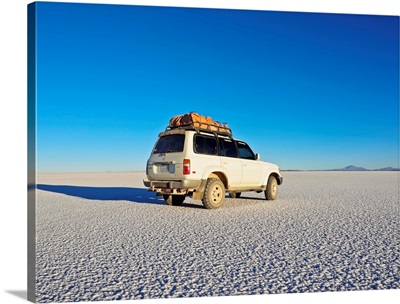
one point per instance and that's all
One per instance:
(174, 200)
(235, 194)
(272, 189)
(214, 193)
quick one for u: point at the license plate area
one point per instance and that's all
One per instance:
(166, 168)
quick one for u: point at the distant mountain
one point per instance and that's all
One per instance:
(354, 168)
(351, 168)
(387, 169)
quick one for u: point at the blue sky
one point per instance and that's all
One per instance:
(306, 91)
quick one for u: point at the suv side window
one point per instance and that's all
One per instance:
(227, 147)
(245, 151)
(205, 145)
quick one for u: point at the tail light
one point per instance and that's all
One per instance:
(186, 166)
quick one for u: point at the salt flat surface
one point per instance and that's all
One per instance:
(102, 236)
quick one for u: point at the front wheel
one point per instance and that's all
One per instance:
(214, 193)
(174, 200)
(272, 189)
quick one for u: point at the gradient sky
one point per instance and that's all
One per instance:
(305, 90)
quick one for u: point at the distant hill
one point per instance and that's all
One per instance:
(387, 169)
(354, 168)
(350, 168)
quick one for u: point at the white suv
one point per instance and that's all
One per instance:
(204, 165)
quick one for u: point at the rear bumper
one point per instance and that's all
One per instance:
(172, 186)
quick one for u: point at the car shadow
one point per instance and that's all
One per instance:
(190, 205)
(250, 198)
(137, 195)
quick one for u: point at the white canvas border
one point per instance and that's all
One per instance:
(13, 133)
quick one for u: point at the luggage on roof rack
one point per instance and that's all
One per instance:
(197, 121)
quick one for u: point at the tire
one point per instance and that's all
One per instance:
(271, 192)
(235, 194)
(214, 194)
(174, 200)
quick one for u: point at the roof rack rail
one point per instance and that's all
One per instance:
(223, 129)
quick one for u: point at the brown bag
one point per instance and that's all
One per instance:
(197, 121)
(191, 118)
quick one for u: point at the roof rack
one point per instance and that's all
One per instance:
(219, 129)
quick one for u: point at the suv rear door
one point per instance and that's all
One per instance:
(230, 161)
(166, 160)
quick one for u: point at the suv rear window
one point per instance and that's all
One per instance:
(205, 145)
(170, 144)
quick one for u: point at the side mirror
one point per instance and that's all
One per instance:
(257, 156)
